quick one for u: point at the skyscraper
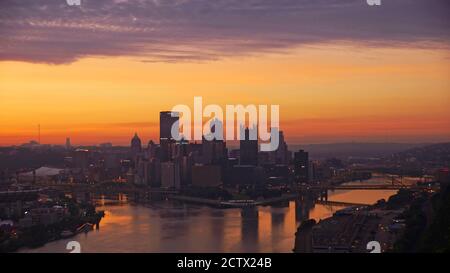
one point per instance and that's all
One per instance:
(166, 120)
(281, 154)
(68, 145)
(214, 150)
(166, 140)
(301, 166)
(136, 145)
(248, 149)
(81, 159)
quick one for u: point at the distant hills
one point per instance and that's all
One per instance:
(438, 154)
(354, 149)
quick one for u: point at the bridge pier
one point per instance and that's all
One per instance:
(302, 206)
(323, 195)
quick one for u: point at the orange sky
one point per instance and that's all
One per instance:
(326, 94)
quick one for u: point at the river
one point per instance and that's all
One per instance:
(168, 226)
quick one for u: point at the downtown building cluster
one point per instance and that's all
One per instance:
(210, 163)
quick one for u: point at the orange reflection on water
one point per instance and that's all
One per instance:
(114, 219)
(361, 196)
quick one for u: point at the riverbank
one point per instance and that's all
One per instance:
(39, 234)
(351, 229)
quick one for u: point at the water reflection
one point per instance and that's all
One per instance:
(174, 227)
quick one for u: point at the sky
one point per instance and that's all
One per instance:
(340, 70)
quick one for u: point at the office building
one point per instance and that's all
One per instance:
(206, 176)
(248, 149)
(170, 175)
(301, 166)
(136, 145)
(166, 121)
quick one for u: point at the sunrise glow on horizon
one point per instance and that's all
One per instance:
(326, 94)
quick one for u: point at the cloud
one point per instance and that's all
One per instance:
(50, 31)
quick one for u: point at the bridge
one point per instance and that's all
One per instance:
(364, 187)
(322, 191)
(339, 203)
(115, 189)
(21, 195)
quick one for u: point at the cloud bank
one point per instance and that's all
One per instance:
(50, 31)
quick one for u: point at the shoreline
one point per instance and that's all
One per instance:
(24, 241)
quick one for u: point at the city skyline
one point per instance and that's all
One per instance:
(232, 143)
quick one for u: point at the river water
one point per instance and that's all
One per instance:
(175, 227)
